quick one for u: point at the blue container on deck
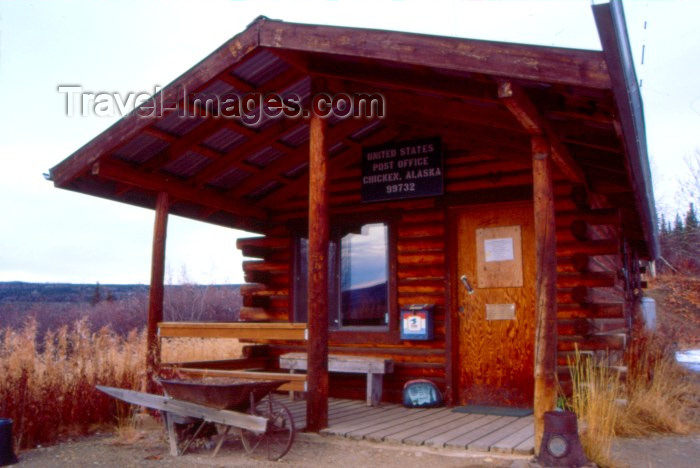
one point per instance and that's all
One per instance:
(7, 455)
(416, 322)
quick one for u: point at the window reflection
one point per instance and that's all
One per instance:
(358, 277)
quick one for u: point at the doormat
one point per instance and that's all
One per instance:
(495, 410)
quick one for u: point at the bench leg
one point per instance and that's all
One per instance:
(374, 389)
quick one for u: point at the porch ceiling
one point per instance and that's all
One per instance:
(224, 171)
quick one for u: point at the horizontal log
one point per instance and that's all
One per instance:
(431, 216)
(261, 277)
(603, 216)
(420, 271)
(265, 266)
(576, 295)
(436, 244)
(590, 279)
(591, 247)
(240, 330)
(582, 327)
(592, 343)
(262, 241)
(421, 289)
(251, 288)
(571, 311)
(413, 230)
(422, 259)
(256, 301)
(580, 230)
(254, 314)
(495, 180)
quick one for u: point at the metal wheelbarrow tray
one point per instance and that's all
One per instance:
(266, 427)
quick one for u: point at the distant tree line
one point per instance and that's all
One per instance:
(680, 243)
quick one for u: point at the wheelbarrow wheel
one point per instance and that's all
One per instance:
(276, 441)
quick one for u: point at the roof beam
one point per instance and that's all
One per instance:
(121, 172)
(418, 79)
(537, 63)
(526, 113)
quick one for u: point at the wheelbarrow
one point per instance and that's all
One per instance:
(264, 425)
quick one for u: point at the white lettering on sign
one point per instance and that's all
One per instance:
(498, 250)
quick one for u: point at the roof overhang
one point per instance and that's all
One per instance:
(229, 173)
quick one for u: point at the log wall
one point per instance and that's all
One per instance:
(593, 309)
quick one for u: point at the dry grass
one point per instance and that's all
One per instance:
(47, 383)
(595, 394)
(658, 396)
(662, 396)
(199, 349)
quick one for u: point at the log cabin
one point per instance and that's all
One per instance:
(473, 211)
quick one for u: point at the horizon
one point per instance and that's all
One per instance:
(57, 236)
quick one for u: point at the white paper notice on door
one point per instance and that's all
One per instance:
(498, 250)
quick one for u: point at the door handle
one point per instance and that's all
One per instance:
(466, 284)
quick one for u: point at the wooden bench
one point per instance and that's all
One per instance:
(374, 367)
(249, 367)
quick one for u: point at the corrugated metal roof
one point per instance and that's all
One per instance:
(260, 68)
(368, 130)
(297, 136)
(229, 178)
(264, 190)
(141, 149)
(187, 165)
(297, 170)
(264, 157)
(224, 140)
(177, 124)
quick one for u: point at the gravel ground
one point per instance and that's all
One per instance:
(148, 448)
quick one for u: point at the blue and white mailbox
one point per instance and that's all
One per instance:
(417, 322)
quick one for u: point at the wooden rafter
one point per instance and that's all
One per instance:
(194, 139)
(122, 172)
(291, 159)
(526, 113)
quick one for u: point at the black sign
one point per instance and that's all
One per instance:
(402, 170)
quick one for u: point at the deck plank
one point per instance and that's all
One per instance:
(367, 420)
(464, 440)
(527, 447)
(484, 443)
(508, 444)
(376, 431)
(432, 420)
(422, 437)
(437, 427)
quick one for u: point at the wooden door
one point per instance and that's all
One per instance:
(496, 322)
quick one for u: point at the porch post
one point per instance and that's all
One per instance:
(317, 373)
(155, 296)
(545, 285)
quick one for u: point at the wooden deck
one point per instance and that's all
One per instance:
(434, 427)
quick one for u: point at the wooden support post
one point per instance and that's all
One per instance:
(317, 375)
(545, 286)
(155, 297)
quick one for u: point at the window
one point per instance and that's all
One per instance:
(358, 289)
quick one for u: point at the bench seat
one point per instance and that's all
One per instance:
(374, 367)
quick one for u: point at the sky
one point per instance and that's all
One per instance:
(52, 235)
